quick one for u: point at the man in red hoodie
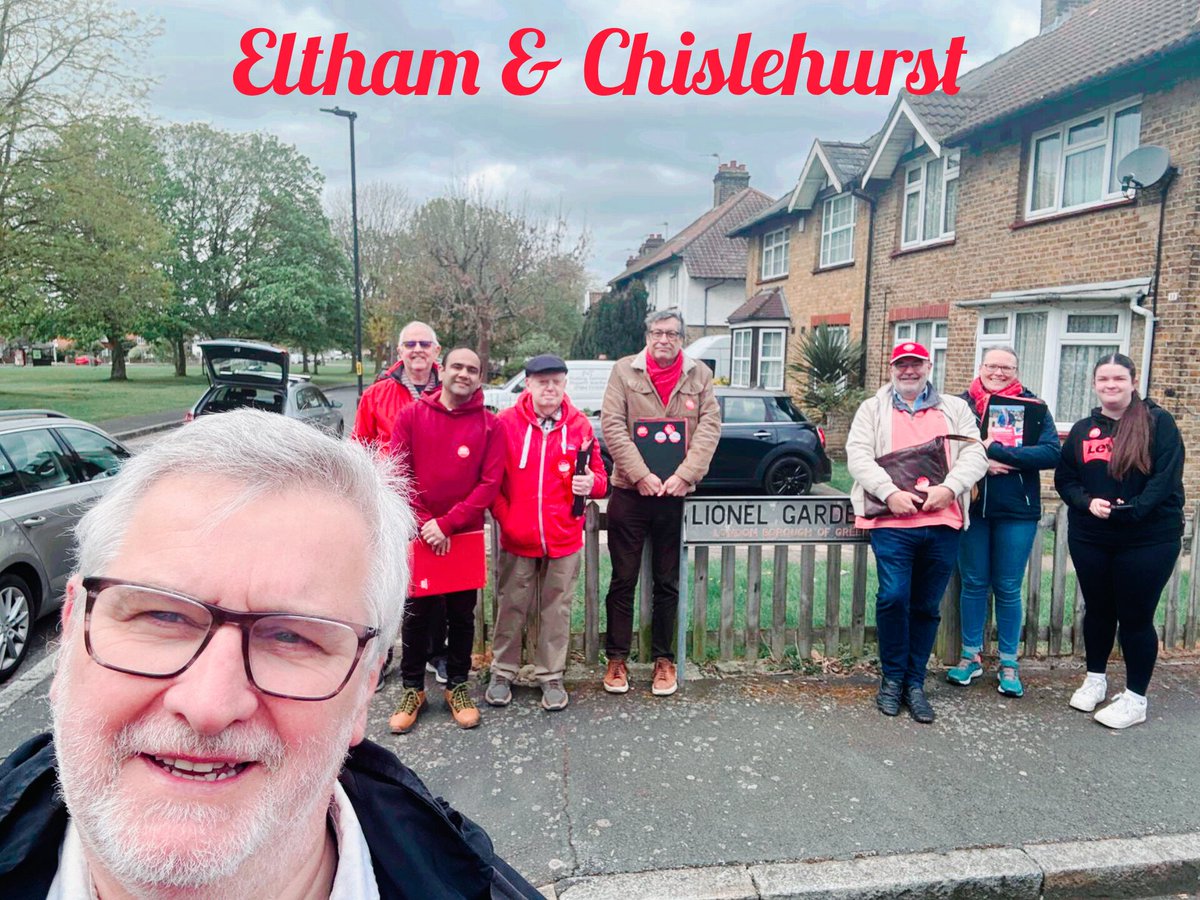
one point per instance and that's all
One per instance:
(453, 450)
(541, 538)
(398, 386)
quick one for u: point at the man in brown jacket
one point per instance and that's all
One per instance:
(660, 382)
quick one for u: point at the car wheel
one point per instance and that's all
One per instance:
(788, 475)
(16, 622)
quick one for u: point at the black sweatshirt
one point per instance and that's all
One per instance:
(1154, 502)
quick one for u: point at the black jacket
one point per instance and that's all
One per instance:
(1154, 502)
(420, 846)
(1017, 495)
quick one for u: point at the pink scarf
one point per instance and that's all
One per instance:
(981, 395)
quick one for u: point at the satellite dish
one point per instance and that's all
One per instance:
(1143, 167)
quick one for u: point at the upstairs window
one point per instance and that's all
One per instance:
(930, 200)
(775, 253)
(837, 231)
(1074, 165)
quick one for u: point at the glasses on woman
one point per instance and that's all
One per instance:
(156, 633)
(1003, 370)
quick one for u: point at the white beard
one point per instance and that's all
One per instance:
(253, 842)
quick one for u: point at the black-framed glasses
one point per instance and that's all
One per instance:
(142, 630)
(665, 335)
(424, 345)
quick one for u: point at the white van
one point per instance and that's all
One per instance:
(586, 381)
(715, 350)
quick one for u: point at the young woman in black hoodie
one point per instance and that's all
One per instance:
(1121, 475)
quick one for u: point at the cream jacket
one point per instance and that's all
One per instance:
(871, 436)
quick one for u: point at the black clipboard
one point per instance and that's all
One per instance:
(1013, 421)
(662, 443)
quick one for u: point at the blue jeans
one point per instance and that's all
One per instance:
(914, 566)
(993, 554)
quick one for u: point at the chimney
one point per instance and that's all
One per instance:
(730, 178)
(1054, 10)
(650, 244)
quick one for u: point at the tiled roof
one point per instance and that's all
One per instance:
(1094, 42)
(766, 304)
(776, 209)
(704, 245)
(849, 159)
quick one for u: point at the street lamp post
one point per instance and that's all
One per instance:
(358, 351)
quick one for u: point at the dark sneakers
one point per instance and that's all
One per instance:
(918, 704)
(888, 698)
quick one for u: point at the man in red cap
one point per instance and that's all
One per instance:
(916, 542)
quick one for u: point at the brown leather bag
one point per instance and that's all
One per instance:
(923, 464)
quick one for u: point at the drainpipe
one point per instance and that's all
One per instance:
(862, 363)
(1152, 317)
(1135, 307)
(704, 327)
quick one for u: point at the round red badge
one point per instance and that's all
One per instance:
(669, 428)
(1094, 433)
(464, 451)
(642, 431)
(922, 482)
(564, 466)
(690, 404)
(660, 436)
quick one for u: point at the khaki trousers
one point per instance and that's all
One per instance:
(527, 584)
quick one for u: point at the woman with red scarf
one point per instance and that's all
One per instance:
(1004, 515)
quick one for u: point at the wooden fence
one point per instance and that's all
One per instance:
(763, 629)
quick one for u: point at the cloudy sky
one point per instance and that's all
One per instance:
(621, 167)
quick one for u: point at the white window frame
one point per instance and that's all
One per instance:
(775, 253)
(951, 165)
(827, 231)
(1057, 337)
(673, 288)
(940, 330)
(1062, 130)
(781, 358)
(739, 366)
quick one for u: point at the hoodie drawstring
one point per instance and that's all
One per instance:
(525, 449)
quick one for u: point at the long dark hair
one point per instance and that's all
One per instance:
(1131, 439)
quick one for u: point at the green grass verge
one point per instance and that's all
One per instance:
(86, 392)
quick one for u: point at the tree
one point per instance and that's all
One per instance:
(62, 62)
(830, 365)
(615, 326)
(235, 201)
(488, 269)
(385, 260)
(102, 251)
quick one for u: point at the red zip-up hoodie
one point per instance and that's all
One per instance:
(535, 499)
(379, 406)
(455, 458)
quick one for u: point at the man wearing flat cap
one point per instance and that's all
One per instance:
(541, 537)
(916, 541)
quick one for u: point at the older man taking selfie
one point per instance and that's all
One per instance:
(221, 641)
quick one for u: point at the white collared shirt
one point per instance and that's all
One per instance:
(354, 880)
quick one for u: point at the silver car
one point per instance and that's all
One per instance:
(51, 469)
(249, 374)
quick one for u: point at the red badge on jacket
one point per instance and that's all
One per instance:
(464, 451)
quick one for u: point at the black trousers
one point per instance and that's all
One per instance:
(1121, 586)
(420, 613)
(631, 519)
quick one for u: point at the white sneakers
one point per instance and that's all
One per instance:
(1127, 708)
(1090, 694)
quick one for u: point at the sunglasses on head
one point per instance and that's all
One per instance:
(409, 345)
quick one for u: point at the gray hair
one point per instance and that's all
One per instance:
(1003, 348)
(415, 323)
(266, 453)
(660, 315)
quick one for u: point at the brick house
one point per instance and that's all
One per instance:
(807, 266)
(1000, 217)
(701, 270)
